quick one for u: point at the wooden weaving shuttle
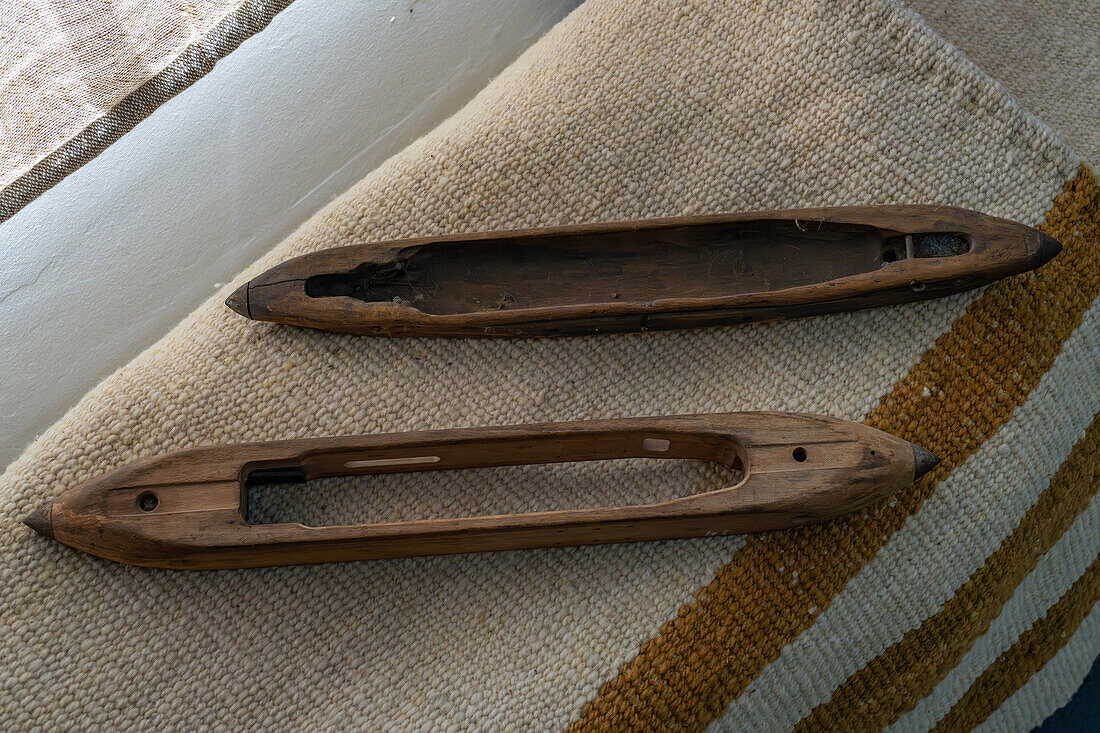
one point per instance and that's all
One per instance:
(187, 509)
(645, 275)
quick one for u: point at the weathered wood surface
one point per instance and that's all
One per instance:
(645, 275)
(187, 509)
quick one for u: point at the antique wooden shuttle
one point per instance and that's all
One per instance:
(642, 275)
(187, 509)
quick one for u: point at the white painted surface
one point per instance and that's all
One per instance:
(107, 261)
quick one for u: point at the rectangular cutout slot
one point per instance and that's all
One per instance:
(657, 445)
(450, 493)
(407, 461)
(940, 245)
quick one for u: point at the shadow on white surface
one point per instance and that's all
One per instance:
(111, 258)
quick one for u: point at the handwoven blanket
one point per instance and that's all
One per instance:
(968, 599)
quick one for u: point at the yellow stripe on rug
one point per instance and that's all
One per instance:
(955, 397)
(894, 681)
(1028, 655)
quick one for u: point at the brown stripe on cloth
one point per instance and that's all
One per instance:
(195, 62)
(1028, 655)
(892, 683)
(957, 395)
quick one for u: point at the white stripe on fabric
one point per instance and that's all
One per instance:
(958, 525)
(1052, 686)
(1055, 574)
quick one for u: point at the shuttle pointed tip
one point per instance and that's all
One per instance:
(238, 301)
(39, 521)
(1049, 247)
(923, 461)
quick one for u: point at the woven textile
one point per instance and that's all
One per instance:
(944, 605)
(74, 77)
(1047, 54)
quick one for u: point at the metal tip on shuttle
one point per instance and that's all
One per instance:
(39, 521)
(923, 461)
(238, 301)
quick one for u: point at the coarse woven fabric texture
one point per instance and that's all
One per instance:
(914, 613)
(75, 77)
(1046, 53)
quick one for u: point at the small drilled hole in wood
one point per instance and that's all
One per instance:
(407, 461)
(658, 445)
(799, 454)
(148, 501)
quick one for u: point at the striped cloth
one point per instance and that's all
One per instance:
(968, 600)
(76, 77)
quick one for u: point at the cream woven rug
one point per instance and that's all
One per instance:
(1047, 53)
(968, 600)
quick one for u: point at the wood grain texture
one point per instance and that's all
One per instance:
(186, 509)
(645, 275)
